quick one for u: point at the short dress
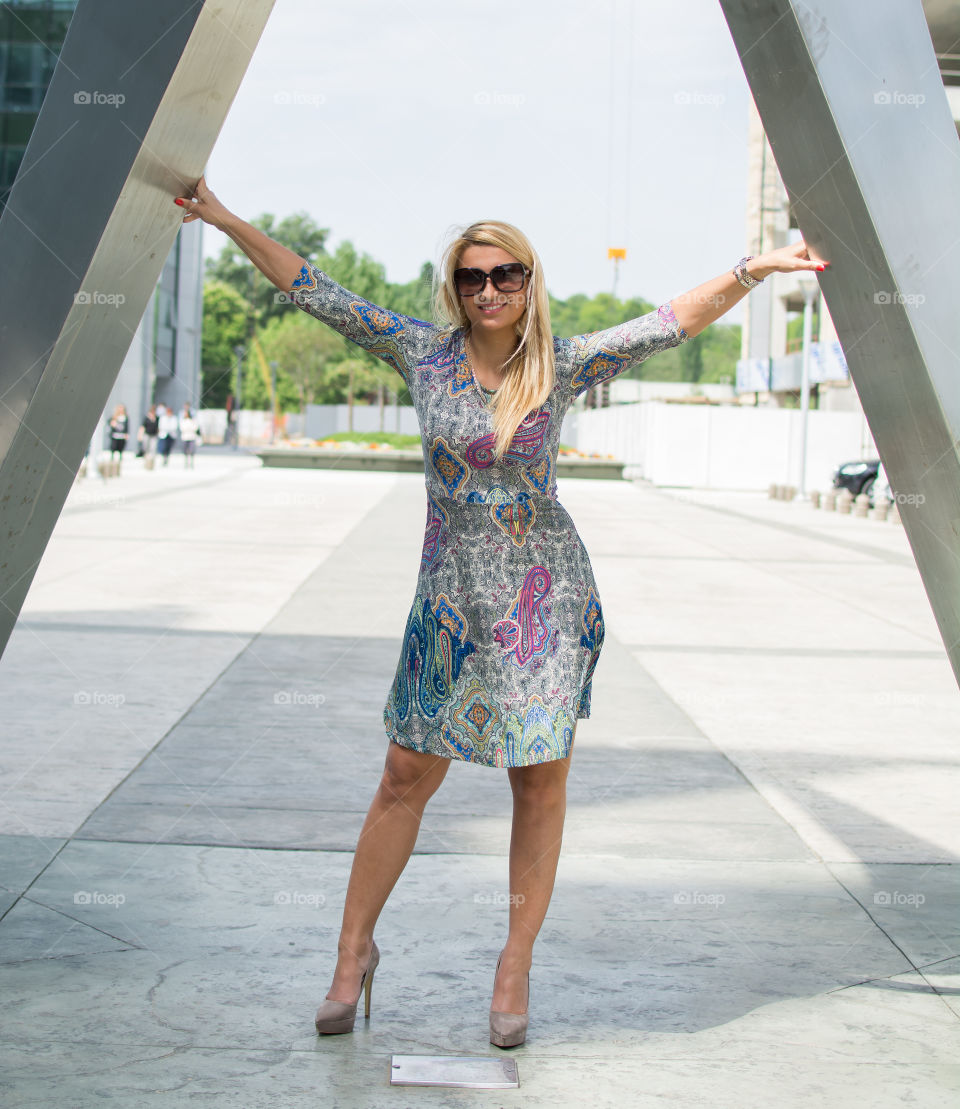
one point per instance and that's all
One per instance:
(506, 626)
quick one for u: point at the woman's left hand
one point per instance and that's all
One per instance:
(788, 259)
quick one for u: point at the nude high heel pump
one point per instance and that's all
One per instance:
(509, 1029)
(339, 1016)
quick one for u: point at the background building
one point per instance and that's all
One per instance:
(163, 362)
(771, 361)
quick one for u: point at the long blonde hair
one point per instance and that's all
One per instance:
(529, 370)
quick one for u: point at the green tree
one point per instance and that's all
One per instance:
(359, 273)
(721, 352)
(581, 314)
(415, 298)
(691, 358)
(226, 324)
(363, 275)
(351, 372)
(710, 356)
(314, 364)
(257, 382)
(304, 350)
(299, 232)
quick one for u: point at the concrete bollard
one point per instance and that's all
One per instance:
(772, 491)
(790, 492)
(861, 504)
(844, 502)
(830, 500)
(814, 498)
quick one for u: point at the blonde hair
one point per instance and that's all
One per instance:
(529, 370)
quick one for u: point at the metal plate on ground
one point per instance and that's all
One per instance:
(462, 1071)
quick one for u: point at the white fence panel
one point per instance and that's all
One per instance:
(721, 447)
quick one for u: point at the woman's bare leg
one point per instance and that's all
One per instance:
(539, 806)
(386, 841)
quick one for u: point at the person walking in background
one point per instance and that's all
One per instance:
(189, 434)
(169, 426)
(230, 435)
(119, 430)
(148, 435)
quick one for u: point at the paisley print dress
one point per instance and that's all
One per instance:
(506, 626)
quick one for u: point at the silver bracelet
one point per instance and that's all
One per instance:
(745, 279)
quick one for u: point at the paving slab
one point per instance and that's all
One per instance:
(757, 897)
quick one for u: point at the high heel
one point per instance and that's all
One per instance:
(339, 1016)
(509, 1029)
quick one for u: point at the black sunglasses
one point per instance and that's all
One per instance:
(506, 278)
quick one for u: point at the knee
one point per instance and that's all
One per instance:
(543, 786)
(411, 776)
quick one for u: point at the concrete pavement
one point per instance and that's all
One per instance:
(757, 897)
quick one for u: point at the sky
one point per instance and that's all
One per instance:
(616, 123)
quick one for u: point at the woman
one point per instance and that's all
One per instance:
(148, 435)
(119, 430)
(506, 626)
(189, 429)
(169, 427)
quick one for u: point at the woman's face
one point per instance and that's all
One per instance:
(491, 310)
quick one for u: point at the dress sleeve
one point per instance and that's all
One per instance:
(600, 355)
(394, 338)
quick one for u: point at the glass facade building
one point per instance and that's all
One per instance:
(31, 34)
(163, 361)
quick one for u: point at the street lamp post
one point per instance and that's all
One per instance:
(811, 290)
(239, 351)
(273, 402)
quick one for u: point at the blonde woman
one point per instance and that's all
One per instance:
(506, 627)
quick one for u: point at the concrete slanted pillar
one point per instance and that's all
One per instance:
(134, 107)
(852, 101)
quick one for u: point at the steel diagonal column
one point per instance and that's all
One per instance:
(134, 107)
(851, 98)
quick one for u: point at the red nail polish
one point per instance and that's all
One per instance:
(821, 267)
(177, 200)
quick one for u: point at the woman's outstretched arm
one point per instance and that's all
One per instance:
(275, 261)
(698, 308)
(395, 339)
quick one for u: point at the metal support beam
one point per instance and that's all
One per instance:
(852, 100)
(135, 104)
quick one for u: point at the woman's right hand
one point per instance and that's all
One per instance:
(203, 204)
(277, 262)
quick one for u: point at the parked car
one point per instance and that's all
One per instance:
(858, 477)
(864, 477)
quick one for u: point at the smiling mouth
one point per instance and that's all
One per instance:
(490, 308)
